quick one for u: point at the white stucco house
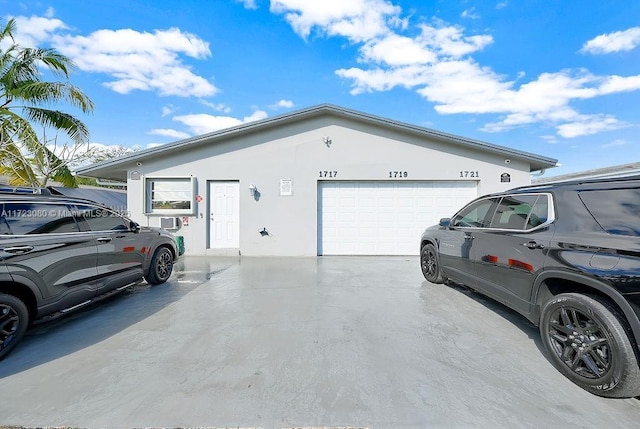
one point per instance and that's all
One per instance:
(325, 180)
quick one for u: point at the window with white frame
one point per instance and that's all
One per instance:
(170, 195)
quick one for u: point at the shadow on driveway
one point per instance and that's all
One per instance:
(510, 315)
(52, 340)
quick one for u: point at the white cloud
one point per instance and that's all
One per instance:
(152, 145)
(437, 63)
(141, 61)
(613, 84)
(136, 60)
(450, 42)
(168, 110)
(357, 20)
(613, 42)
(551, 139)
(615, 143)
(248, 4)
(383, 80)
(167, 132)
(464, 87)
(589, 124)
(218, 107)
(255, 116)
(203, 123)
(282, 104)
(470, 13)
(31, 31)
(397, 50)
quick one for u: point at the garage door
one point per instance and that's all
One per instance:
(383, 218)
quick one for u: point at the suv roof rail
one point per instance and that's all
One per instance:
(602, 179)
(8, 189)
(577, 182)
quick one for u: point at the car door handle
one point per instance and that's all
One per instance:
(19, 249)
(103, 240)
(533, 245)
(469, 237)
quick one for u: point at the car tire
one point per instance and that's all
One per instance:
(430, 264)
(14, 319)
(588, 341)
(160, 267)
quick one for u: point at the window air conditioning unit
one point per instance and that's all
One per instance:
(169, 222)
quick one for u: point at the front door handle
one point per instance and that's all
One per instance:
(103, 240)
(19, 249)
(533, 245)
(469, 237)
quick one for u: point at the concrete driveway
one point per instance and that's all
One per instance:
(296, 342)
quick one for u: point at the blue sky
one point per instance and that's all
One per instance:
(556, 78)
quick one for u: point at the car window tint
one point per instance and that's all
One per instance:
(539, 213)
(616, 210)
(101, 219)
(36, 218)
(513, 212)
(476, 214)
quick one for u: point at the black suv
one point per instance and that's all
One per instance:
(58, 254)
(566, 256)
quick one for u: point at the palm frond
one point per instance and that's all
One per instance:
(47, 92)
(8, 30)
(16, 129)
(14, 164)
(24, 99)
(72, 126)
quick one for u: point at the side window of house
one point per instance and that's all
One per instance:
(169, 195)
(101, 219)
(513, 212)
(23, 218)
(475, 215)
(616, 210)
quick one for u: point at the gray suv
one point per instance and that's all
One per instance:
(59, 254)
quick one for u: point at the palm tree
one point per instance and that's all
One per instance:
(22, 97)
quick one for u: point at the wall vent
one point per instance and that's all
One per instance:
(169, 222)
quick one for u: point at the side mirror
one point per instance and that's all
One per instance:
(134, 226)
(445, 221)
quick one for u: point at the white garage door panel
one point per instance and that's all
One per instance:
(383, 218)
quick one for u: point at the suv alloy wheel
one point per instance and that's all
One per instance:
(14, 319)
(588, 342)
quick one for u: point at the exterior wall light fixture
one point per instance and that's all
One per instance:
(252, 190)
(327, 141)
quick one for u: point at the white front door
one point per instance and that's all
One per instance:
(224, 215)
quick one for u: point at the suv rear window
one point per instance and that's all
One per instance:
(616, 210)
(35, 218)
(521, 212)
